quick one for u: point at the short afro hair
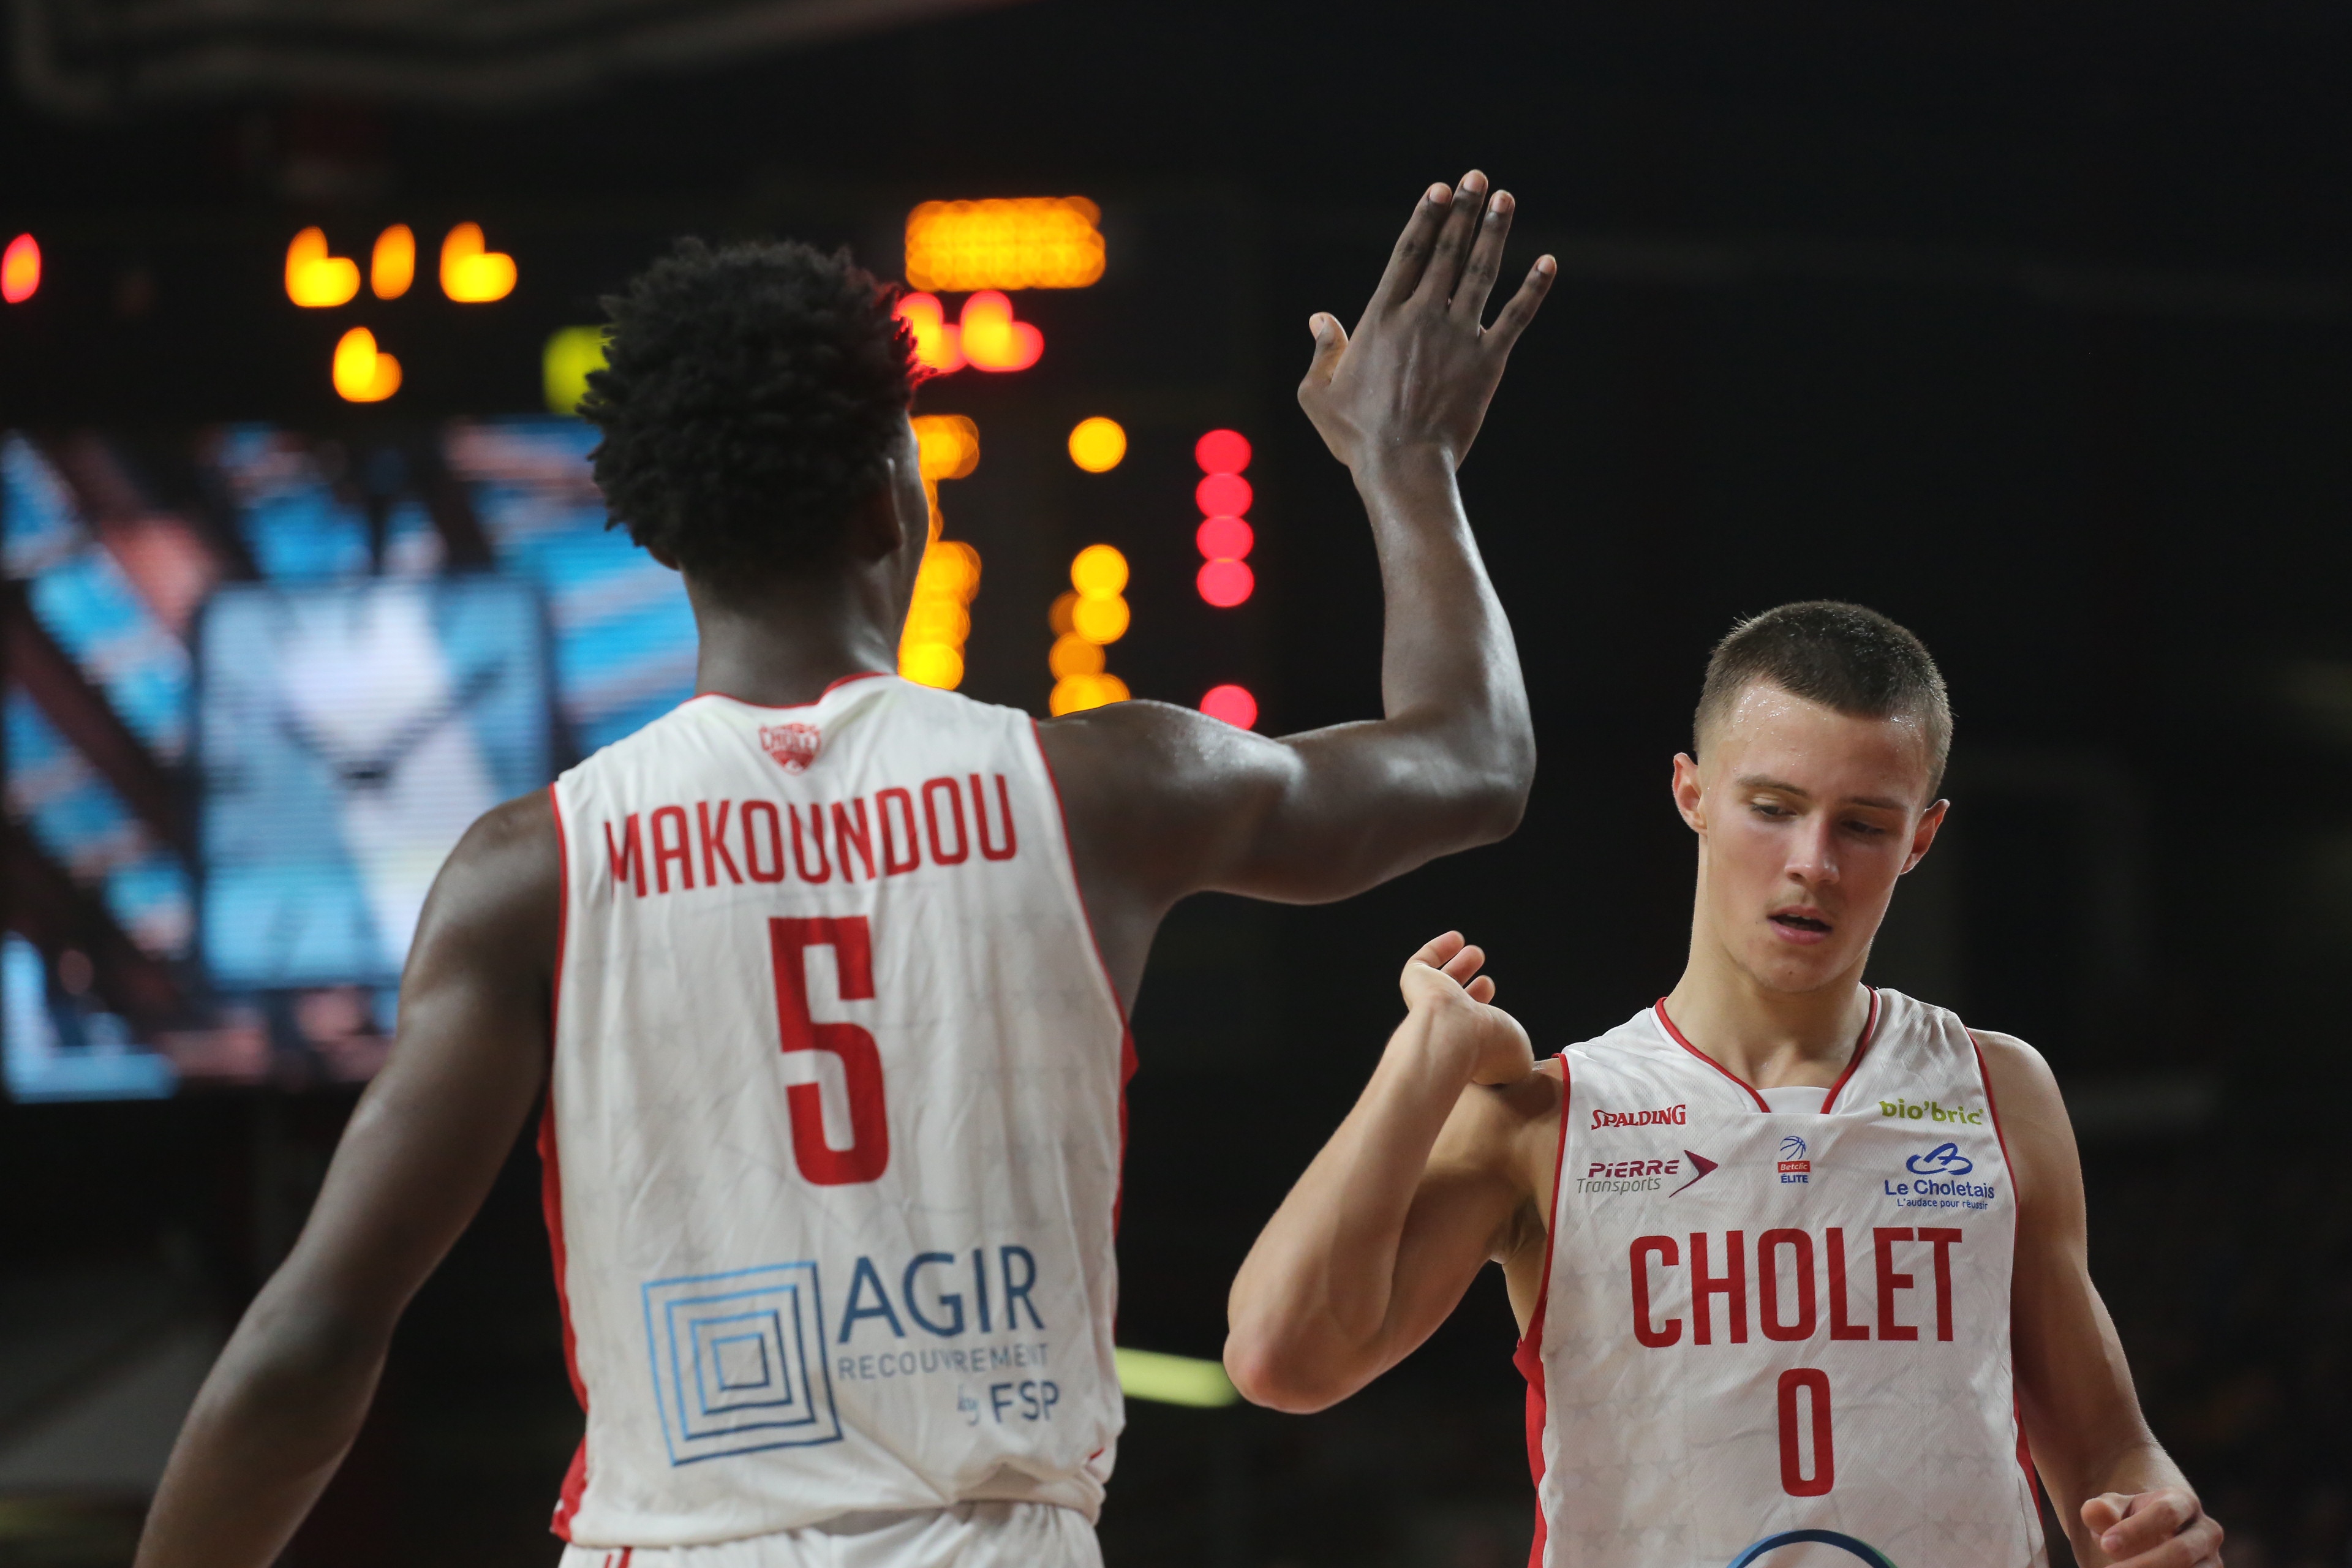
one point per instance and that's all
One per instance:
(750, 398)
(1842, 656)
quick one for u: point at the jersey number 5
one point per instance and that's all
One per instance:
(861, 1065)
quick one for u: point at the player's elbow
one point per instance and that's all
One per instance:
(1267, 1374)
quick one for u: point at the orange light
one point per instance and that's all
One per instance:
(392, 267)
(1033, 242)
(1100, 620)
(314, 279)
(1223, 452)
(1233, 704)
(936, 346)
(1076, 693)
(991, 339)
(1222, 495)
(1074, 654)
(1099, 572)
(1224, 538)
(362, 374)
(1097, 444)
(1059, 617)
(1226, 583)
(20, 270)
(471, 274)
(950, 444)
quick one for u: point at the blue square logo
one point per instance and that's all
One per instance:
(739, 1361)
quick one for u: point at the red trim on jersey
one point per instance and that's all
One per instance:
(550, 1194)
(2017, 1415)
(1528, 1355)
(1869, 1028)
(1869, 1033)
(1659, 1007)
(1128, 1060)
(831, 687)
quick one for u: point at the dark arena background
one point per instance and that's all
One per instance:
(2030, 326)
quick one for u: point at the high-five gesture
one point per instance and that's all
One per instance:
(1422, 368)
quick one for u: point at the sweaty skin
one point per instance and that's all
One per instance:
(1804, 818)
(1162, 802)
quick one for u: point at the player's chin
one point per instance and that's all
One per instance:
(1795, 971)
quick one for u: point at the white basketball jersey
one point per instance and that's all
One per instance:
(1779, 1337)
(835, 1123)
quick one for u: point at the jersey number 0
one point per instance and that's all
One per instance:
(861, 1063)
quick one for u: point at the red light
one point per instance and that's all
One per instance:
(1224, 538)
(1226, 583)
(1233, 704)
(1222, 495)
(1223, 452)
(20, 270)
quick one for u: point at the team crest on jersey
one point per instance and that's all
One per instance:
(1794, 1166)
(794, 746)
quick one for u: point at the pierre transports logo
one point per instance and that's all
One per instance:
(1667, 1116)
(794, 746)
(1932, 1111)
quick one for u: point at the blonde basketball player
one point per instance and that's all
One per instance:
(1799, 1261)
(827, 973)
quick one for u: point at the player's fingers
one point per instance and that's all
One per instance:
(1330, 345)
(1438, 950)
(1481, 989)
(1466, 963)
(1411, 257)
(1445, 269)
(2100, 1513)
(1485, 258)
(2149, 1520)
(1521, 310)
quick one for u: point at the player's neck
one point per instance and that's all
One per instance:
(1767, 1037)
(796, 638)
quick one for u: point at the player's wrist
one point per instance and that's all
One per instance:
(1381, 464)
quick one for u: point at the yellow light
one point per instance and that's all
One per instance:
(1099, 620)
(572, 353)
(991, 339)
(938, 619)
(937, 348)
(1031, 242)
(1074, 654)
(1098, 572)
(951, 567)
(314, 279)
(1175, 1379)
(949, 444)
(362, 373)
(1097, 443)
(392, 267)
(932, 664)
(470, 274)
(1075, 693)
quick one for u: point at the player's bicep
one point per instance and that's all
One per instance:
(1464, 1215)
(430, 1135)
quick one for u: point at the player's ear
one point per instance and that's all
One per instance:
(1686, 791)
(1923, 837)
(875, 529)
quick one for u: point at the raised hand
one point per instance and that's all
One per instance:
(1421, 368)
(2161, 1529)
(1442, 984)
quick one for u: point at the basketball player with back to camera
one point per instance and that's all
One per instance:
(826, 974)
(1798, 1262)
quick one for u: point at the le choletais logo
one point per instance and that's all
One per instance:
(1932, 1111)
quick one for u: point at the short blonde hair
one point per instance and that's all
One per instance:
(1844, 656)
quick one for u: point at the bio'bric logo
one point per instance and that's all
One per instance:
(1943, 1160)
(1861, 1549)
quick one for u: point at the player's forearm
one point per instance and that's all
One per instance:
(1309, 1315)
(1449, 666)
(270, 1426)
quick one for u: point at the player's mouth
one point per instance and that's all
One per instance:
(1802, 926)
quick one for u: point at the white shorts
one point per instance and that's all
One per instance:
(968, 1535)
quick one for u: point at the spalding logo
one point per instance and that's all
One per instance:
(794, 746)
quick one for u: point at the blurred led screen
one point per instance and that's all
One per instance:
(259, 682)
